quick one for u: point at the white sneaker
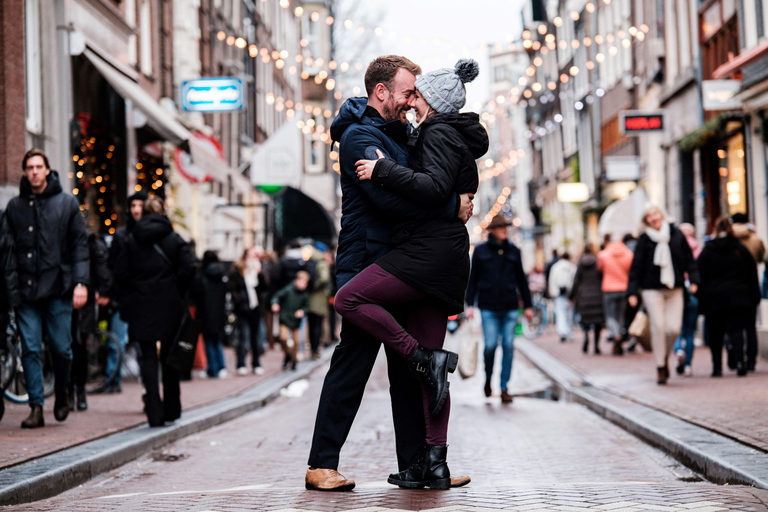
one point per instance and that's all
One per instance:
(223, 373)
(688, 372)
(242, 370)
(202, 374)
(258, 370)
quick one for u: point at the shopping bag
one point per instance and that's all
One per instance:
(467, 357)
(182, 353)
(640, 329)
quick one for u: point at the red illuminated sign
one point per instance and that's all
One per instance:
(633, 122)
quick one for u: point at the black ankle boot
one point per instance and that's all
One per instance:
(72, 397)
(432, 367)
(430, 470)
(61, 405)
(81, 403)
(35, 418)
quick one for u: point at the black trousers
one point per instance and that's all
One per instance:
(169, 407)
(343, 388)
(315, 330)
(752, 337)
(733, 322)
(83, 324)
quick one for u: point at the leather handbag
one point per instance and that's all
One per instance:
(182, 353)
(640, 329)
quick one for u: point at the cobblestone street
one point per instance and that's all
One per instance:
(531, 455)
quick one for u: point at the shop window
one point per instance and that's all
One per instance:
(733, 180)
(33, 71)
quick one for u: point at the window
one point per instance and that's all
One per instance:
(145, 18)
(33, 78)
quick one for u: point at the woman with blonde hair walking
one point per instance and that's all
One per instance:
(662, 257)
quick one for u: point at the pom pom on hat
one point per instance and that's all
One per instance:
(467, 70)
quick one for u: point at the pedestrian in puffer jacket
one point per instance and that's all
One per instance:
(587, 295)
(9, 288)
(209, 291)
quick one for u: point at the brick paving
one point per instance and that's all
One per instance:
(110, 413)
(731, 405)
(532, 455)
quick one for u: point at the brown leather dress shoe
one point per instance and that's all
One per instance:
(327, 480)
(506, 398)
(460, 481)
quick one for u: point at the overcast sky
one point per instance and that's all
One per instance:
(436, 33)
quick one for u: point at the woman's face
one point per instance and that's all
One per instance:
(420, 105)
(654, 218)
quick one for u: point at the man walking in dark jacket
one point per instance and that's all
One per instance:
(9, 283)
(368, 215)
(497, 282)
(53, 268)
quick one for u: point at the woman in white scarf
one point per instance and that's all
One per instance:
(661, 258)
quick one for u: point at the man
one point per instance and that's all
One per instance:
(745, 232)
(53, 269)
(497, 282)
(117, 325)
(368, 214)
(9, 284)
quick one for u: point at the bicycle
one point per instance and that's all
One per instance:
(99, 345)
(15, 389)
(535, 327)
(8, 359)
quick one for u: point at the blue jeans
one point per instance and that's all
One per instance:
(214, 352)
(119, 328)
(690, 315)
(563, 317)
(497, 323)
(56, 316)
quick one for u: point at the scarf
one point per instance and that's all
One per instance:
(662, 256)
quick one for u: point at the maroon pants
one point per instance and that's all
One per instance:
(363, 301)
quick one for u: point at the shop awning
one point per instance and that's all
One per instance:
(159, 119)
(623, 216)
(299, 216)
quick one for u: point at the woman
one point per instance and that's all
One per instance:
(662, 257)
(614, 262)
(728, 294)
(429, 266)
(587, 295)
(209, 292)
(155, 269)
(244, 281)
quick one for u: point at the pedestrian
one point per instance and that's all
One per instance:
(614, 262)
(84, 319)
(537, 280)
(548, 268)
(156, 270)
(684, 344)
(116, 309)
(52, 257)
(428, 268)
(291, 302)
(560, 284)
(587, 296)
(370, 213)
(9, 283)
(497, 285)
(245, 279)
(728, 294)
(268, 286)
(662, 257)
(318, 297)
(745, 232)
(209, 294)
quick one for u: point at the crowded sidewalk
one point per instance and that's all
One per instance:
(110, 413)
(733, 406)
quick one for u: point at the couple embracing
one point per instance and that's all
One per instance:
(402, 264)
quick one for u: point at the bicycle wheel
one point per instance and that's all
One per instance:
(17, 389)
(102, 347)
(535, 327)
(8, 361)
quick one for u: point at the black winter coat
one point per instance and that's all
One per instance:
(154, 289)
(587, 291)
(209, 293)
(51, 241)
(119, 242)
(728, 277)
(100, 275)
(368, 211)
(497, 280)
(433, 255)
(644, 275)
(9, 284)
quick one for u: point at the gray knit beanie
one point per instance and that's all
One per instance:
(444, 89)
